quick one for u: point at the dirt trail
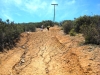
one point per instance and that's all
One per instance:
(51, 53)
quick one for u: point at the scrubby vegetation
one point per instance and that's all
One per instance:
(72, 32)
(44, 23)
(67, 26)
(10, 31)
(89, 26)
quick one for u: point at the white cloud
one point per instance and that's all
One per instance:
(50, 9)
(17, 2)
(42, 9)
(73, 1)
(70, 2)
(10, 2)
(7, 17)
(54, 2)
(43, 5)
(31, 5)
(18, 14)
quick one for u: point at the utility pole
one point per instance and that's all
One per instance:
(54, 12)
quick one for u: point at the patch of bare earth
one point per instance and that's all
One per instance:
(51, 53)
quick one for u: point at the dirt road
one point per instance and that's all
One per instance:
(51, 53)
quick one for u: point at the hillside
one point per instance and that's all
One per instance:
(51, 53)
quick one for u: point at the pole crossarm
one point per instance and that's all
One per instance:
(54, 4)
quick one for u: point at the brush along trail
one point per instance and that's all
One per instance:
(51, 53)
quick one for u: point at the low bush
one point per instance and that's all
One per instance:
(67, 26)
(72, 32)
(91, 33)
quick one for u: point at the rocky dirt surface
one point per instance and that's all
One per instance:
(51, 53)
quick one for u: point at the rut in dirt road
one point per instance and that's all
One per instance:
(46, 53)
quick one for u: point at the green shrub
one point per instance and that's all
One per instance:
(81, 21)
(91, 33)
(10, 34)
(72, 32)
(67, 26)
(89, 26)
(61, 28)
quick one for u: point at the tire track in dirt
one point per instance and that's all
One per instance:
(44, 57)
(6, 65)
(52, 56)
(18, 67)
(11, 59)
(26, 60)
(49, 53)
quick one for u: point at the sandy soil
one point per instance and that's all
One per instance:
(51, 53)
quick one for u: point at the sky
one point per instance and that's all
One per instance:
(26, 11)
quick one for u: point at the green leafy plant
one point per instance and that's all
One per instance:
(67, 26)
(72, 32)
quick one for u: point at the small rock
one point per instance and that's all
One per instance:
(23, 47)
(90, 47)
(22, 61)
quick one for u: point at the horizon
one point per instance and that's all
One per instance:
(25, 11)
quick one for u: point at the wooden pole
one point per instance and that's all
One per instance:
(54, 12)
